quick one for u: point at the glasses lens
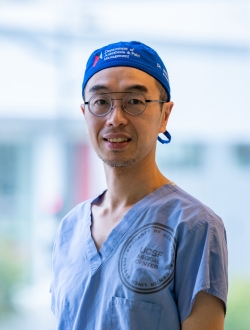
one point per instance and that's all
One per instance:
(99, 105)
(134, 104)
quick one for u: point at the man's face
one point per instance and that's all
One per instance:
(121, 139)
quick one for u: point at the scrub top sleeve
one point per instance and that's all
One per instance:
(51, 290)
(201, 264)
(52, 303)
(54, 257)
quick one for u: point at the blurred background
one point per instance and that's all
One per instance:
(46, 163)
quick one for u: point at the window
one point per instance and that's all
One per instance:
(242, 154)
(182, 156)
(8, 169)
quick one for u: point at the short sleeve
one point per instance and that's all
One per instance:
(52, 289)
(201, 264)
(52, 304)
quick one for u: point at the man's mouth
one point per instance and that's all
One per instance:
(117, 140)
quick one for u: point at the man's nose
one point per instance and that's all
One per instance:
(114, 103)
(117, 115)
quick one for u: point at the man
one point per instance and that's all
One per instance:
(144, 254)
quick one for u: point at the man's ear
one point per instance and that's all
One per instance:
(166, 111)
(83, 111)
(82, 108)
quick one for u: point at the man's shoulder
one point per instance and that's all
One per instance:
(183, 208)
(173, 194)
(75, 217)
(77, 211)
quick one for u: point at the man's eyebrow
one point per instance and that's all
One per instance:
(97, 88)
(138, 88)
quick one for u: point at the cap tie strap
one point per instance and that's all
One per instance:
(168, 136)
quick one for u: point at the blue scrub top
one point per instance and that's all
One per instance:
(166, 249)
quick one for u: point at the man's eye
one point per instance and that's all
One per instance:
(135, 101)
(101, 102)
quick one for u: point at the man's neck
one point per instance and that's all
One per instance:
(127, 185)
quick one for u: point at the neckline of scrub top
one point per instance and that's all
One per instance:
(98, 257)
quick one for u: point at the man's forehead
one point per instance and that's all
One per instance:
(126, 78)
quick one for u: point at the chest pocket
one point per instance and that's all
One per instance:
(134, 315)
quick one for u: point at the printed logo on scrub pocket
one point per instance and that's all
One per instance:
(147, 259)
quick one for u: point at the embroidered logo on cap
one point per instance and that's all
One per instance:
(97, 57)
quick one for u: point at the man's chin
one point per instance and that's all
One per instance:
(119, 162)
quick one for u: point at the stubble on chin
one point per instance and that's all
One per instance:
(119, 162)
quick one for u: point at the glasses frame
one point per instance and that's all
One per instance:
(112, 106)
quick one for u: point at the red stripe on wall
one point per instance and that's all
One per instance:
(82, 173)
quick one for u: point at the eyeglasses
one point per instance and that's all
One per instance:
(134, 104)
